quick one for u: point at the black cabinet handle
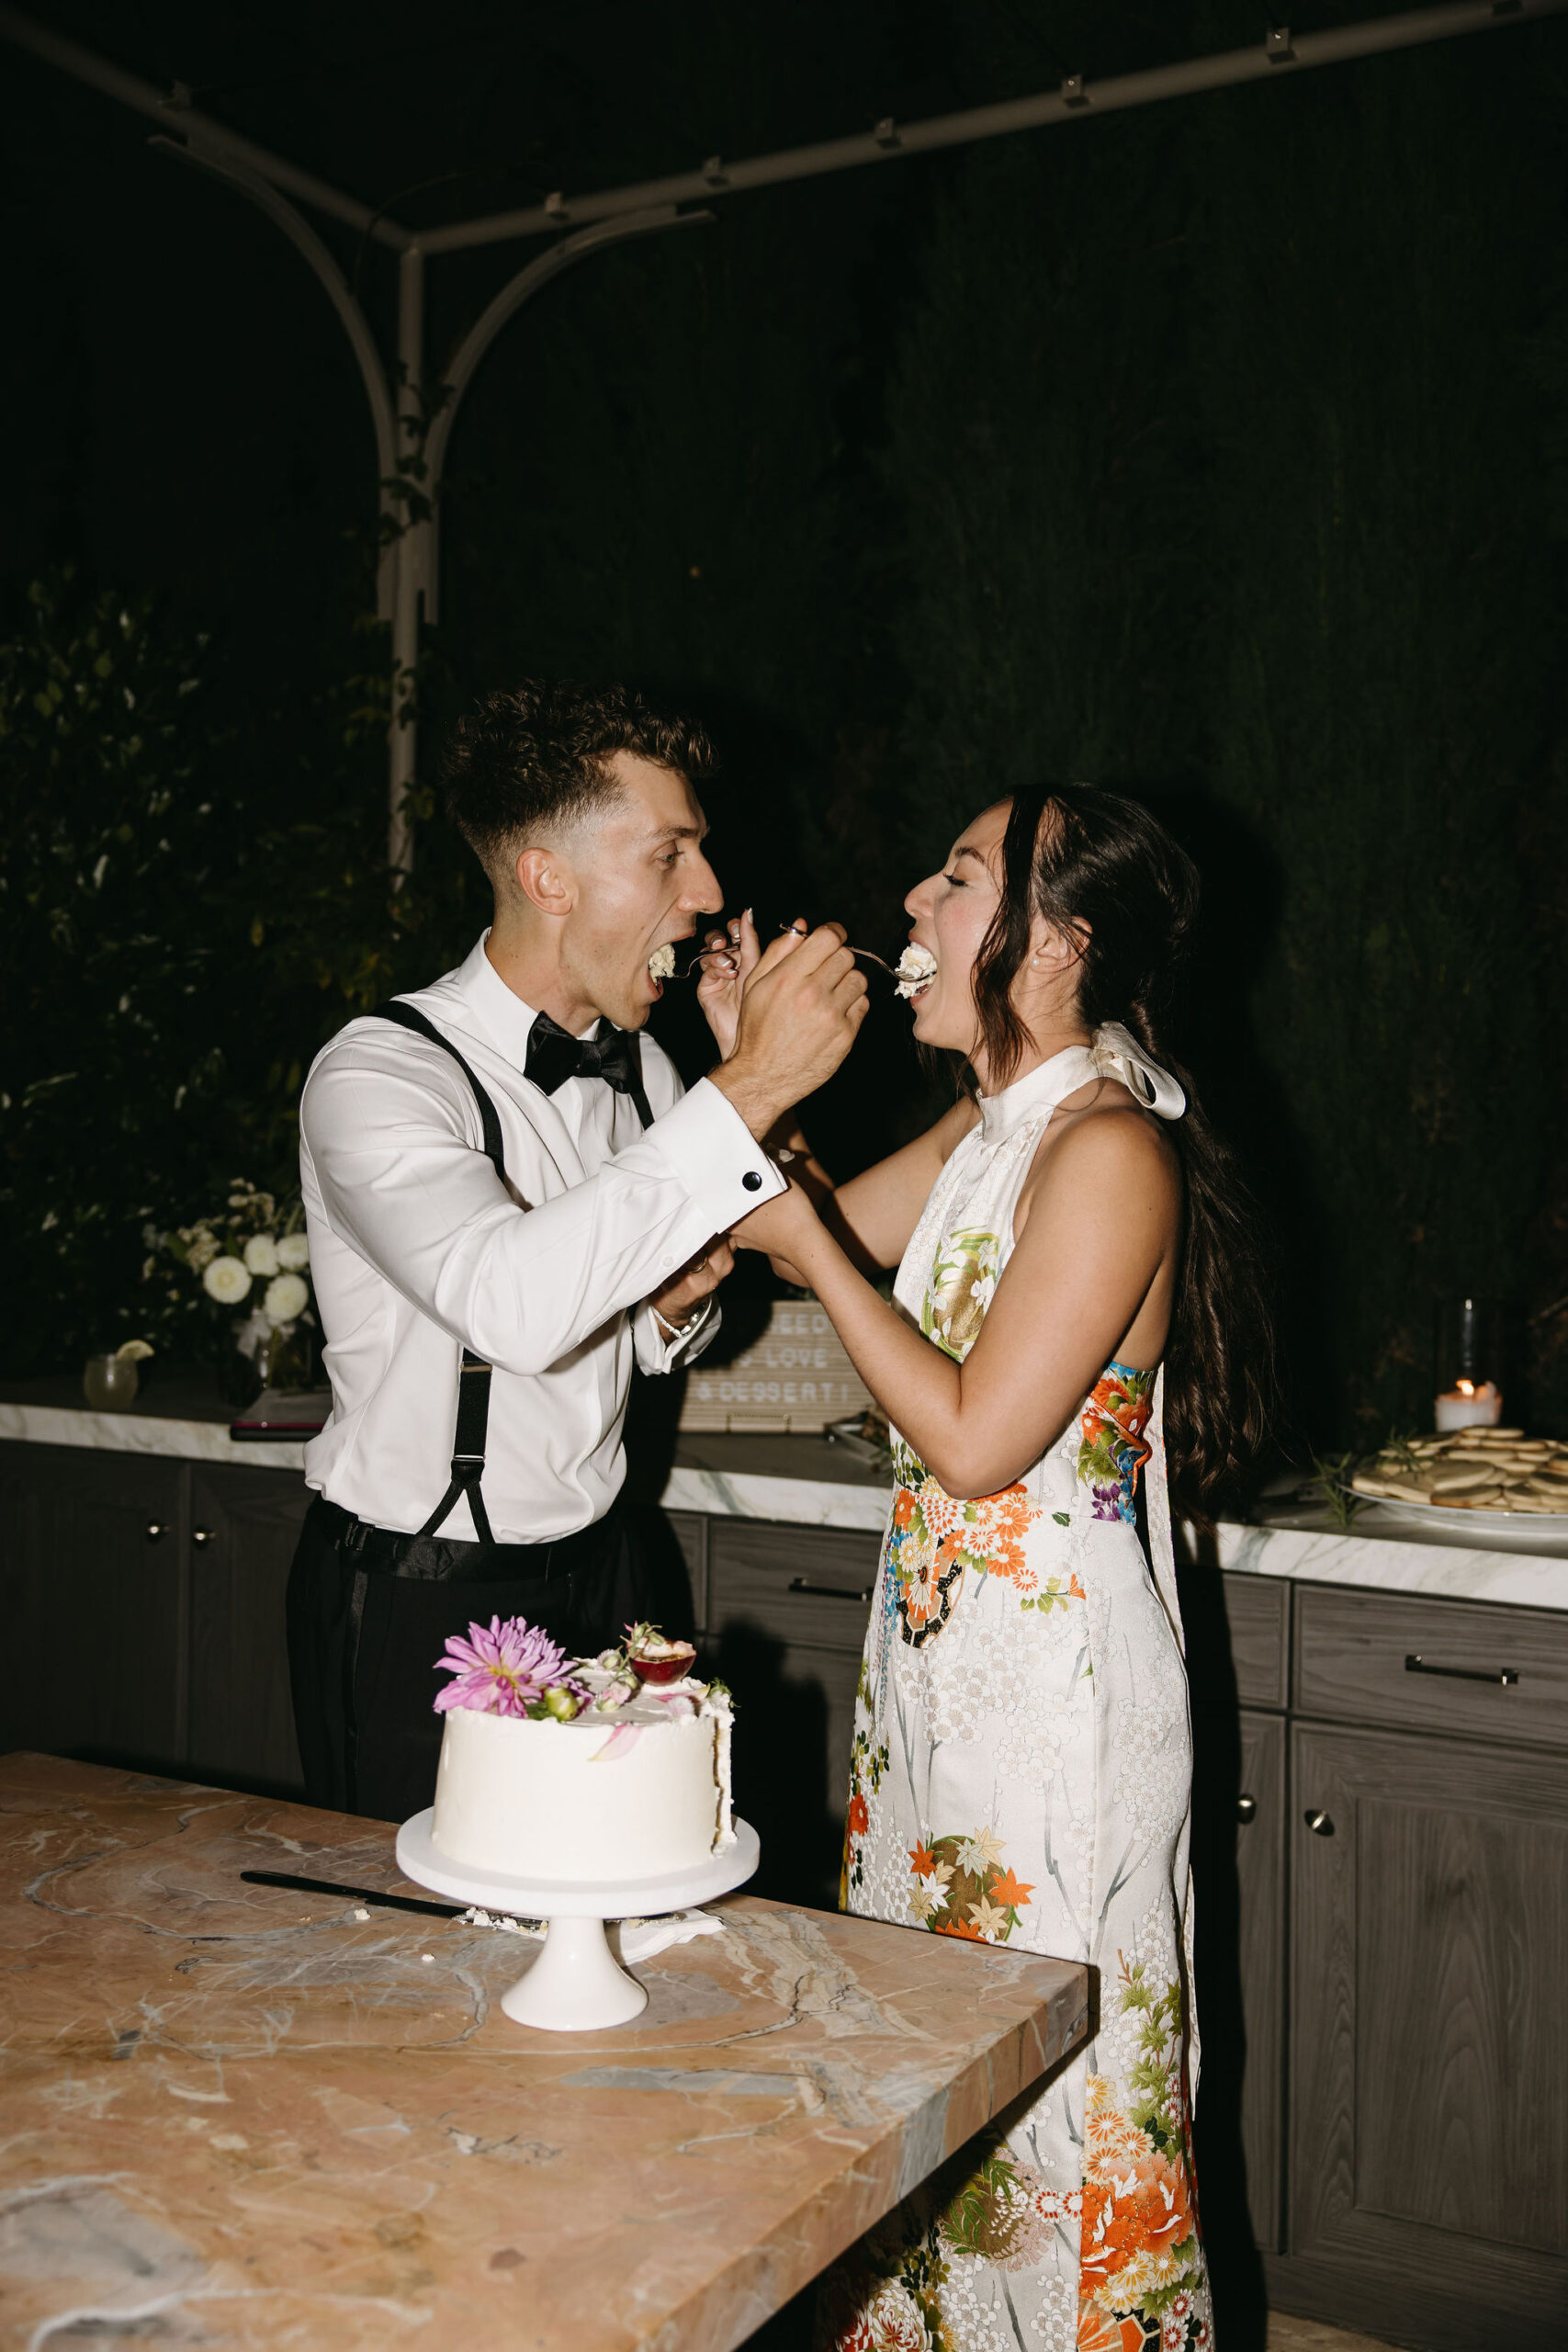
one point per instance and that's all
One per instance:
(1505, 1675)
(829, 1591)
(1319, 1824)
(156, 1531)
(202, 1535)
(1245, 1810)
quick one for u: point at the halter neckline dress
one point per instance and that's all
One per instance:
(1021, 1775)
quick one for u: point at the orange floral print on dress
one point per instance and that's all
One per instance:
(1112, 1453)
(961, 1889)
(935, 1538)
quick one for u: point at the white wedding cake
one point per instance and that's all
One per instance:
(586, 1771)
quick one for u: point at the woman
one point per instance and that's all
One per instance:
(1073, 1257)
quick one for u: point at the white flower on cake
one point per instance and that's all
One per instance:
(661, 963)
(293, 1253)
(286, 1298)
(915, 969)
(226, 1280)
(261, 1254)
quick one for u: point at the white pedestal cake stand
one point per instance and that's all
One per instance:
(576, 1984)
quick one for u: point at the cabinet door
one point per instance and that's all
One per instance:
(93, 1590)
(787, 1617)
(1238, 1867)
(244, 1526)
(1429, 2061)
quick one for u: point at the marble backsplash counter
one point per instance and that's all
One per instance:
(811, 1482)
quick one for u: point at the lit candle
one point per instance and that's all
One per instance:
(1467, 1406)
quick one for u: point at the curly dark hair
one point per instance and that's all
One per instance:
(536, 754)
(1075, 854)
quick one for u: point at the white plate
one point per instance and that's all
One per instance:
(1511, 1523)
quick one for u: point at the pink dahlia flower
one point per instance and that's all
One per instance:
(503, 1668)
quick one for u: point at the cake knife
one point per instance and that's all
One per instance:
(355, 1894)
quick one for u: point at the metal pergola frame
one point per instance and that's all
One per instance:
(413, 423)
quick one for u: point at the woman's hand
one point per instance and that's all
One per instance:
(729, 963)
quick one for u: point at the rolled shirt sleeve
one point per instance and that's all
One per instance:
(391, 1133)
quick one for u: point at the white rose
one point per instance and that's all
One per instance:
(261, 1254)
(293, 1252)
(287, 1298)
(225, 1280)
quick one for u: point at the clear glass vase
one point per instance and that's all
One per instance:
(109, 1383)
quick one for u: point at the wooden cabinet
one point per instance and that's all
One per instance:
(150, 1592)
(786, 1610)
(1238, 1654)
(1260, 1961)
(244, 1525)
(1427, 2140)
(94, 1568)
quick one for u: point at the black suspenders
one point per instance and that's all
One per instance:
(473, 1380)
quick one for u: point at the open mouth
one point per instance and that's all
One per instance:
(914, 971)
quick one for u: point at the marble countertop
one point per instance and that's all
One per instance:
(1384, 1553)
(176, 1417)
(814, 1482)
(238, 2116)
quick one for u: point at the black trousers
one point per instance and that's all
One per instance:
(369, 1616)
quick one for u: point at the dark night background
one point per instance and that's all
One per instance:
(1216, 451)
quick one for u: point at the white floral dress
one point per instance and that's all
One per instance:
(1021, 1775)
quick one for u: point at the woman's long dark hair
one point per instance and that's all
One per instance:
(1075, 854)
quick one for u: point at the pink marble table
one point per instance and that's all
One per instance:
(241, 2117)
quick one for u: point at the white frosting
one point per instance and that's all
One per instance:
(550, 1800)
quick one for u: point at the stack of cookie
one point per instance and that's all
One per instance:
(1475, 1470)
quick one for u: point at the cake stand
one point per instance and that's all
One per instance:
(576, 1984)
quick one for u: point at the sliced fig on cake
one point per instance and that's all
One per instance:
(654, 1657)
(672, 1664)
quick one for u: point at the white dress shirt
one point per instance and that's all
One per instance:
(418, 1250)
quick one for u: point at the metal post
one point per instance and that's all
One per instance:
(407, 496)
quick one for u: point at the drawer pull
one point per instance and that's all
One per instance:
(1319, 1824)
(1245, 1810)
(1507, 1675)
(829, 1591)
(200, 1536)
(156, 1531)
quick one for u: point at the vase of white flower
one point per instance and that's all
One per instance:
(249, 1304)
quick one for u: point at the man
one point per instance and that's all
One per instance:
(508, 1197)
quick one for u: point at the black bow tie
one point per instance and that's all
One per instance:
(615, 1055)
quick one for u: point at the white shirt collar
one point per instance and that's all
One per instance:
(505, 1017)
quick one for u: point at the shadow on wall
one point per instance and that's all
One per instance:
(1238, 1074)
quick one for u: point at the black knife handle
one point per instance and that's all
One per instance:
(355, 1894)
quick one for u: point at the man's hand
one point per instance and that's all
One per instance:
(694, 1283)
(800, 1013)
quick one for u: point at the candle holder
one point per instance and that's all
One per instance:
(1468, 1365)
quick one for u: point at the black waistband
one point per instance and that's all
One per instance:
(440, 1559)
